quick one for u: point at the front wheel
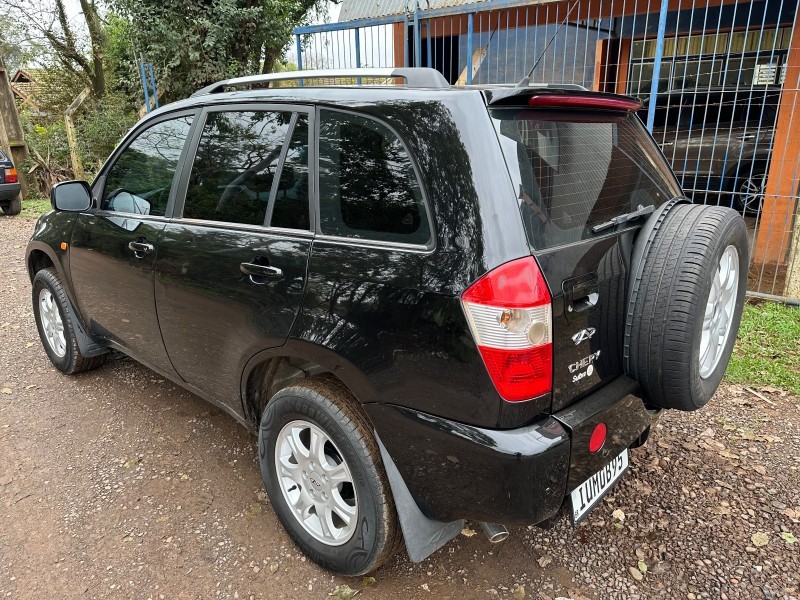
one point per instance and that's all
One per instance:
(55, 326)
(325, 479)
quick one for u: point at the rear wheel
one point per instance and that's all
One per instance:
(323, 472)
(686, 306)
(13, 207)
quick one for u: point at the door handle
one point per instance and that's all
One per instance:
(141, 248)
(265, 271)
(580, 294)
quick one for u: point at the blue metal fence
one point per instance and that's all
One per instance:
(720, 84)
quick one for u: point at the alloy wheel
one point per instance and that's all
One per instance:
(52, 323)
(720, 308)
(316, 482)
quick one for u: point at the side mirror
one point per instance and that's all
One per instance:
(71, 196)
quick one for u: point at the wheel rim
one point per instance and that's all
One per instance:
(718, 316)
(316, 483)
(752, 191)
(52, 324)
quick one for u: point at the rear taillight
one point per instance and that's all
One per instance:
(509, 314)
(10, 175)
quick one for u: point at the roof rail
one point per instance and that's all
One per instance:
(415, 77)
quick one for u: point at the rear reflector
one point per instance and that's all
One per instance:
(588, 102)
(598, 437)
(10, 175)
(510, 316)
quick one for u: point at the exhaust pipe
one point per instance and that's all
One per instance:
(494, 531)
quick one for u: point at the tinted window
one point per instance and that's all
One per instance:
(235, 165)
(368, 188)
(571, 174)
(140, 180)
(291, 200)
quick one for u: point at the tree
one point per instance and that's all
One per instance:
(196, 42)
(46, 24)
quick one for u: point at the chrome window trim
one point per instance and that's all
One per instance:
(304, 233)
(374, 244)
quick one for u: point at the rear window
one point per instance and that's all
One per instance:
(572, 173)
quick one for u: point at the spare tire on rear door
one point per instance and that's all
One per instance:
(687, 288)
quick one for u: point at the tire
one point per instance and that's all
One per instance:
(13, 207)
(749, 187)
(665, 348)
(64, 354)
(322, 406)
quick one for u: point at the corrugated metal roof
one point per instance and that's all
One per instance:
(369, 9)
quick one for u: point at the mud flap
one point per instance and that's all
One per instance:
(86, 344)
(423, 536)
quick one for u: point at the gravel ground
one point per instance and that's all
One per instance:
(118, 484)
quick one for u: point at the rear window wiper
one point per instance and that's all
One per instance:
(640, 211)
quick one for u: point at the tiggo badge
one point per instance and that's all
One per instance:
(583, 335)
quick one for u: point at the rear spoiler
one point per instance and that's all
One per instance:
(551, 97)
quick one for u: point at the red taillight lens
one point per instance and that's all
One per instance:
(10, 176)
(509, 313)
(598, 437)
(598, 102)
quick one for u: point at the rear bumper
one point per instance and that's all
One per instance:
(517, 476)
(9, 191)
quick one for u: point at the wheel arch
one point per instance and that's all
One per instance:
(41, 256)
(273, 369)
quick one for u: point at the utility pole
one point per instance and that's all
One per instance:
(14, 139)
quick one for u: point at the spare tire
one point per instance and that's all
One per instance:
(687, 289)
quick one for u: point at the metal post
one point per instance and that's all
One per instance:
(358, 53)
(299, 45)
(405, 43)
(144, 85)
(417, 37)
(153, 83)
(470, 25)
(428, 40)
(662, 27)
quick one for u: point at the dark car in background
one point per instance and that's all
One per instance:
(10, 201)
(719, 143)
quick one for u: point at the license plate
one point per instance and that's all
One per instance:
(588, 494)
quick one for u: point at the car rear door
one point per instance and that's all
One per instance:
(231, 269)
(575, 171)
(114, 245)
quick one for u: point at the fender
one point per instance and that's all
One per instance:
(305, 351)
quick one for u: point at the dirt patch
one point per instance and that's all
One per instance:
(118, 484)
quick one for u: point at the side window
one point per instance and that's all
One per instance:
(140, 180)
(368, 188)
(291, 200)
(235, 166)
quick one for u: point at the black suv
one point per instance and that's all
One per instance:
(430, 303)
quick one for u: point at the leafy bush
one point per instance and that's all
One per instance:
(49, 160)
(99, 126)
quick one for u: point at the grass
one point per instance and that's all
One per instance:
(767, 351)
(35, 205)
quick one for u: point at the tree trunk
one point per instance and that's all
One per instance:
(14, 142)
